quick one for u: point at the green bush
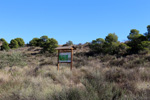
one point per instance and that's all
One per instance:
(5, 45)
(107, 46)
(134, 34)
(20, 41)
(123, 49)
(111, 48)
(13, 44)
(35, 42)
(97, 45)
(144, 45)
(136, 45)
(43, 40)
(50, 45)
(111, 37)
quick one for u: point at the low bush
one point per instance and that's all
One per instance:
(5, 45)
(116, 75)
(107, 58)
(14, 59)
(95, 89)
(117, 62)
(13, 44)
(20, 41)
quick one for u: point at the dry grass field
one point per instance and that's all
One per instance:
(26, 74)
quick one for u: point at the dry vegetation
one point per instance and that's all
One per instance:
(25, 74)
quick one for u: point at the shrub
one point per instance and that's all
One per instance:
(111, 37)
(144, 45)
(43, 40)
(107, 46)
(95, 89)
(71, 94)
(117, 62)
(97, 45)
(14, 44)
(50, 45)
(35, 42)
(123, 49)
(20, 41)
(107, 57)
(116, 75)
(5, 45)
(14, 59)
(111, 44)
(111, 48)
(134, 34)
(136, 44)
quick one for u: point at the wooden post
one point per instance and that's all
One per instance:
(71, 58)
(58, 61)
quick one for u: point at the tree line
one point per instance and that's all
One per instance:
(14, 43)
(136, 43)
(48, 44)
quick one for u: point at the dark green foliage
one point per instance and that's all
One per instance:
(5, 45)
(123, 49)
(111, 48)
(135, 44)
(14, 44)
(97, 45)
(134, 34)
(20, 41)
(135, 41)
(43, 40)
(147, 34)
(144, 46)
(50, 45)
(35, 42)
(111, 44)
(148, 29)
(148, 26)
(69, 43)
(111, 37)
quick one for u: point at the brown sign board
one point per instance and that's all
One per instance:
(65, 55)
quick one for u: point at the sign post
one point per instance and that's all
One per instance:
(65, 55)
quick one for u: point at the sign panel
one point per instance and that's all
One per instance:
(65, 57)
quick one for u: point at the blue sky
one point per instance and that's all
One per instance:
(77, 20)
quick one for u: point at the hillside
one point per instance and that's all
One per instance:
(26, 74)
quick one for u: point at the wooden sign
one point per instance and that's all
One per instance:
(65, 55)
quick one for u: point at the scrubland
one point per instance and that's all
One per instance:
(26, 74)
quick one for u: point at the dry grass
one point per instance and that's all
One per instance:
(92, 78)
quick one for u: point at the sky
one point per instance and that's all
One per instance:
(80, 21)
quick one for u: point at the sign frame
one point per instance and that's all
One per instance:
(65, 50)
(65, 57)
